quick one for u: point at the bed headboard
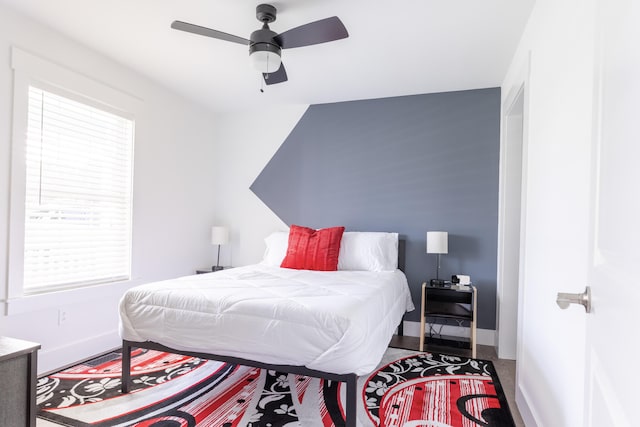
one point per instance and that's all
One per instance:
(401, 252)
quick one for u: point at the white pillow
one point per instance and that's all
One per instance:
(369, 251)
(277, 243)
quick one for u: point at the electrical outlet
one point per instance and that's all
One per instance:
(62, 316)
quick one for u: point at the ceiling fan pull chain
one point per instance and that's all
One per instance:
(266, 76)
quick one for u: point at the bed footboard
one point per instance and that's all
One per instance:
(351, 380)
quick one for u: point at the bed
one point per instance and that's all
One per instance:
(334, 325)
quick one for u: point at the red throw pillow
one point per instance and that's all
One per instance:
(311, 249)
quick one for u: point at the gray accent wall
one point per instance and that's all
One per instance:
(407, 164)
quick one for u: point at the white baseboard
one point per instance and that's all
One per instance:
(483, 336)
(526, 412)
(53, 359)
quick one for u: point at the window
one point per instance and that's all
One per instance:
(71, 191)
(78, 193)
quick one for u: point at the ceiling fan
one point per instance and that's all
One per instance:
(265, 45)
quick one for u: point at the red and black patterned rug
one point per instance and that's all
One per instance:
(413, 390)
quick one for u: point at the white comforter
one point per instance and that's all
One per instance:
(339, 322)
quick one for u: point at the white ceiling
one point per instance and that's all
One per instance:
(394, 48)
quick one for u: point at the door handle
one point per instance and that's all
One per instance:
(583, 299)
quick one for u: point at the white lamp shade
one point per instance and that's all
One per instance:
(437, 242)
(265, 61)
(219, 235)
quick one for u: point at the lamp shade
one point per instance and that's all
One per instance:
(437, 242)
(219, 235)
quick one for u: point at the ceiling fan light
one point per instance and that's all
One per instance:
(265, 60)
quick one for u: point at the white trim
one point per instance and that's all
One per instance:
(30, 69)
(511, 164)
(48, 72)
(522, 79)
(526, 413)
(33, 303)
(17, 186)
(509, 347)
(483, 336)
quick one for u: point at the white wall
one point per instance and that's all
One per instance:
(245, 142)
(174, 205)
(558, 108)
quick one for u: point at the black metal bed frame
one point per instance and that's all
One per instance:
(350, 379)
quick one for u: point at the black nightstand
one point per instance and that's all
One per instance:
(208, 270)
(455, 302)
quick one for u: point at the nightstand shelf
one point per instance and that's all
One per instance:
(456, 303)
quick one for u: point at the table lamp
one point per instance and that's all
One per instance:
(437, 243)
(219, 236)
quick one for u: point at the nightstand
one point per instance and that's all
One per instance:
(456, 302)
(18, 374)
(209, 270)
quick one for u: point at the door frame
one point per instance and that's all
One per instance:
(508, 345)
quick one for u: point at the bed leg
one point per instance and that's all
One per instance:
(352, 399)
(126, 367)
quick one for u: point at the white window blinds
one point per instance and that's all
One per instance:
(78, 194)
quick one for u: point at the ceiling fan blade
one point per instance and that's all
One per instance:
(324, 30)
(208, 32)
(278, 76)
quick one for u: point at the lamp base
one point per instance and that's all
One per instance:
(217, 268)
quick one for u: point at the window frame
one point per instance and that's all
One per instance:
(31, 70)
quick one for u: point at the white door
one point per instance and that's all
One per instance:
(612, 340)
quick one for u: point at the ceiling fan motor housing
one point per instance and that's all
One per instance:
(262, 40)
